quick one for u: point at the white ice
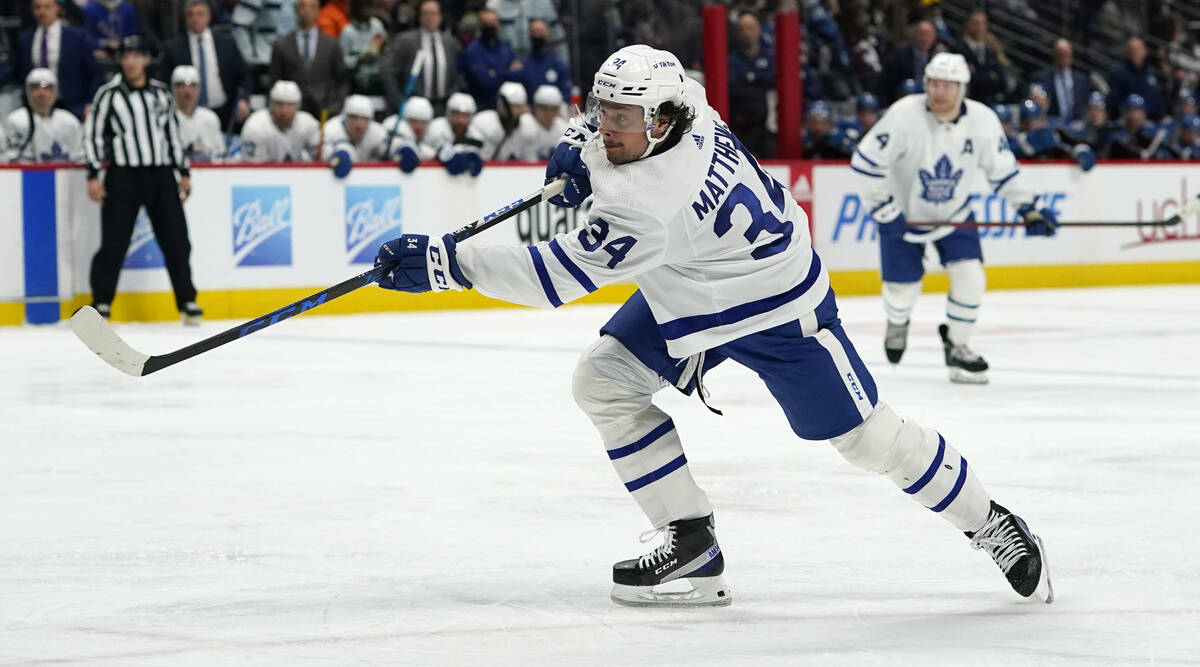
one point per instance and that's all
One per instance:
(419, 489)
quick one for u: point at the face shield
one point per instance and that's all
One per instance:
(612, 117)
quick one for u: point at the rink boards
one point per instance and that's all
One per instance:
(262, 237)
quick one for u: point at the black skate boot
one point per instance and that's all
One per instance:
(894, 341)
(689, 554)
(1019, 553)
(965, 366)
(191, 314)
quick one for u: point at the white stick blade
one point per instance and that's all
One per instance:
(91, 328)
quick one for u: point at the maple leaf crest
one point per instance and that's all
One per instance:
(939, 186)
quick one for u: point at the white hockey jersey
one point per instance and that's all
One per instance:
(929, 167)
(262, 141)
(440, 134)
(405, 137)
(372, 148)
(497, 143)
(531, 142)
(718, 247)
(58, 138)
(200, 134)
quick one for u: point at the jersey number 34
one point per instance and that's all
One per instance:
(760, 220)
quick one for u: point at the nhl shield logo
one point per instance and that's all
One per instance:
(939, 186)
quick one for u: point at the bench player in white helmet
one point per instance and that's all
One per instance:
(450, 129)
(920, 162)
(721, 253)
(354, 136)
(199, 127)
(539, 132)
(412, 130)
(56, 135)
(495, 128)
(282, 132)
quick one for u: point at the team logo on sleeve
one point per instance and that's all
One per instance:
(939, 186)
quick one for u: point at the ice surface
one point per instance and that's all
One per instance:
(419, 489)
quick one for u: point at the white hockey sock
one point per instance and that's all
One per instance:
(898, 300)
(967, 284)
(921, 463)
(614, 389)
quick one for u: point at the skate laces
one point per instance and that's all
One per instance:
(662, 552)
(964, 353)
(1002, 539)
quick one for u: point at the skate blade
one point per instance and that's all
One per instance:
(1045, 588)
(960, 376)
(705, 592)
(190, 320)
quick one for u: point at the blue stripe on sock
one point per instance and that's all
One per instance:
(933, 468)
(657, 474)
(958, 485)
(571, 267)
(539, 265)
(960, 319)
(643, 442)
(963, 305)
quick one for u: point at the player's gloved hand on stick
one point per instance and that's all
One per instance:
(1038, 222)
(419, 264)
(408, 159)
(341, 163)
(567, 160)
(890, 220)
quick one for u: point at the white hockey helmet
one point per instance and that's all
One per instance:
(185, 74)
(41, 77)
(358, 105)
(949, 67)
(547, 96)
(513, 93)
(418, 108)
(285, 91)
(636, 75)
(461, 103)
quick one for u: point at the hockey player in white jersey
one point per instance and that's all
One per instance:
(282, 132)
(199, 127)
(920, 162)
(494, 128)
(538, 133)
(56, 135)
(407, 136)
(354, 136)
(722, 256)
(451, 128)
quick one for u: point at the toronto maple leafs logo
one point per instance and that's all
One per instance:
(939, 186)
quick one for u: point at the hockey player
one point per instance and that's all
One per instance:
(920, 160)
(199, 127)
(354, 136)
(821, 139)
(494, 128)
(1187, 137)
(866, 114)
(538, 133)
(1136, 138)
(722, 255)
(281, 132)
(56, 136)
(411, 132)
(451, 128)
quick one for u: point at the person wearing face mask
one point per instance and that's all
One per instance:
(541, 67)
(488, 62)
(516, 18)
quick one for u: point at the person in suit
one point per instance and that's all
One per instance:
(225, 81)
(313, 60)
(1067, 88)
(907, 62)
(987, 74)
(63, 50)
(1135, 76)
(437, 77)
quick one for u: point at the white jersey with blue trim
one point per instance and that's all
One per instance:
(929, 167)
(533, 142)
(58, 138)
(404, 136)
(200, 134)
(263, 141)
(372, 147)
(718, 247)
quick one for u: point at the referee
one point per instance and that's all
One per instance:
(133, 126)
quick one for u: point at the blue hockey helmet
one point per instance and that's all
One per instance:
(1098, 99)
(910, 87)
(820, 108)
(1134, 101)
(1003, 112)
(1030, 109)
(1190, 122)
(866, 102)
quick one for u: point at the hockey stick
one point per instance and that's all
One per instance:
(100, 338)
(1192, 207)
(413, 73)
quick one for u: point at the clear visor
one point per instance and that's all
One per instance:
(613, 117)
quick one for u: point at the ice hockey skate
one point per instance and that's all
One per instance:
(191, 315)
(1019, 553)
(895, 341)
(689, 555)
(965, 366)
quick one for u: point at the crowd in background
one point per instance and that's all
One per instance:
(1127, 92)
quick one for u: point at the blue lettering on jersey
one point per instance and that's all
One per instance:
(1003, 145)
(939, 186)
(883, 139)
(968, 147)
(725, 155)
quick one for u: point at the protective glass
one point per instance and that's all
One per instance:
(612, 117)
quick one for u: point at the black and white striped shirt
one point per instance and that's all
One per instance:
(133, 127)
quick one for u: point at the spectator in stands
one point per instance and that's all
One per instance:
(38, 132)
(1136, 137)
(988, 83)
(199, 127)
(313, 60)
(1068, 88)
(106, 23)
(821, 140)
(362, 42)
(225, 82)
(826, 50)
(333, 17)
(908, 62)
(488, 62)
(53, 45)
(541, 67)
(751, 78)
(1187, 105)
(516, 19)
(282, 132)
(1135, 76)
(1187, 138)
(258, 24)
(437, 77)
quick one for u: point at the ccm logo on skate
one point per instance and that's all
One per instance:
(665, 566)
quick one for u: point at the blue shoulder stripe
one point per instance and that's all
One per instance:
(571, 267)
(866, 159)
(866, 173)
(540, 267)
